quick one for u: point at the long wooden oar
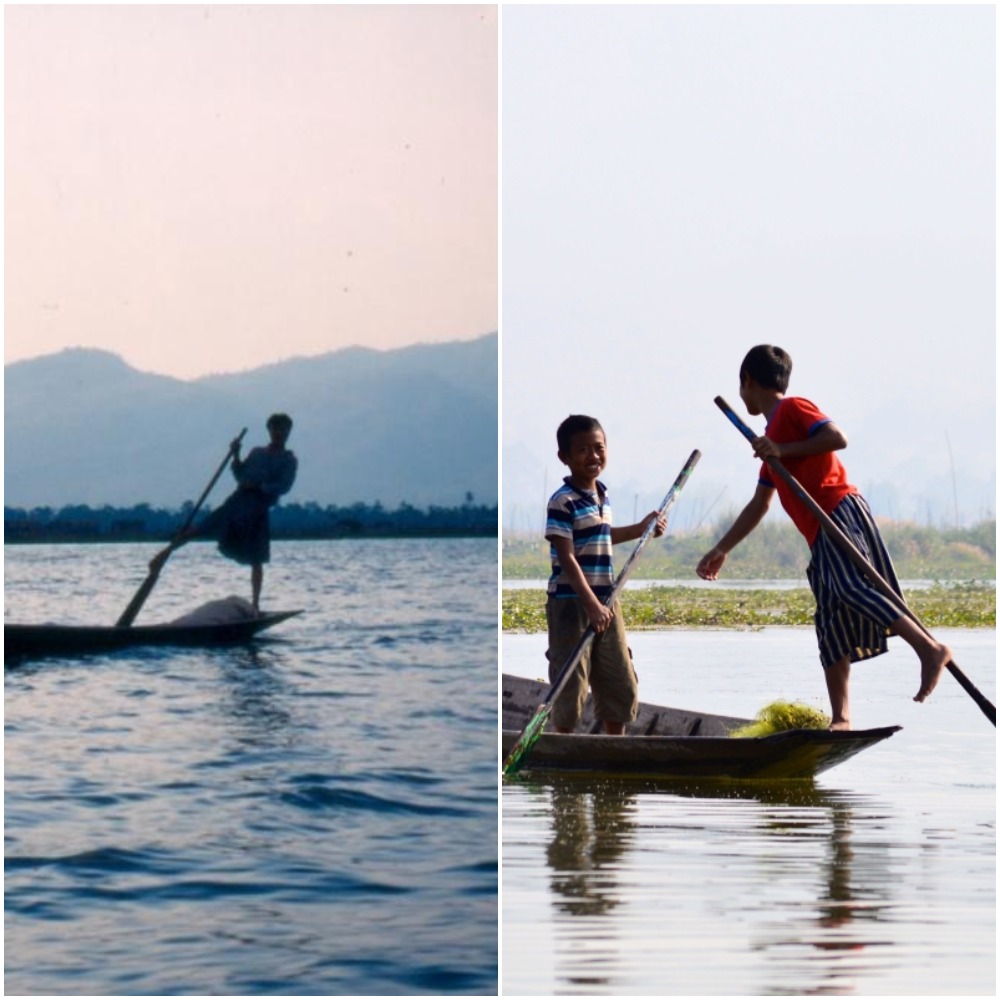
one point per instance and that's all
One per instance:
(135, 605)
(851, 551)
(531, 732)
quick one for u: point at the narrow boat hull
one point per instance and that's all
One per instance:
(22, 642)
(798, 753)
(678, 744)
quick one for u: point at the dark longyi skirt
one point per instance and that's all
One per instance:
(242, 528)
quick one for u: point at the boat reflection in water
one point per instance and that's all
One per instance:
(678, 864)
(878, 878)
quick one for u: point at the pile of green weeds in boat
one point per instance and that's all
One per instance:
(779, 717)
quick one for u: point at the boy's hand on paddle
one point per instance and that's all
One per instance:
(600, 616)
(711, 563)
(764, 447)
(661, 523)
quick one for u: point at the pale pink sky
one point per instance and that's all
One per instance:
(214, 188)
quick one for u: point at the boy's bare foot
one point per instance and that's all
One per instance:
(840, 726)
(932, 664)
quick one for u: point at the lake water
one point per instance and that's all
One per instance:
(879, 879)
(730, 584)
(316, 814)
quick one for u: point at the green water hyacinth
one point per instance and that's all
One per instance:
(966, 605)
(780, 716)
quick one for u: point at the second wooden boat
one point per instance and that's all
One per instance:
(675, 743)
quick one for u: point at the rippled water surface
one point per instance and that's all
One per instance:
(879, 879)
(312, 814)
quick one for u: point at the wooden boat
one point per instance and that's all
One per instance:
(21, 642)
(677, 744)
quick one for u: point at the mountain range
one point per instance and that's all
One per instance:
(414, 425)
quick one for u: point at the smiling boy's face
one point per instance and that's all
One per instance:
(586, 459)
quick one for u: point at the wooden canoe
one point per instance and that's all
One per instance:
(22, 642)
(677, 744)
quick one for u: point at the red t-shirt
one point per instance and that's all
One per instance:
(822, 476)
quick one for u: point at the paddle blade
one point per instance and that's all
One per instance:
(985, 705)
(527, 739)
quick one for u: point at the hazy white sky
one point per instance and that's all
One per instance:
(683, 182)
(211, 188)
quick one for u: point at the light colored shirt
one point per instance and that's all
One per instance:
(272, 472)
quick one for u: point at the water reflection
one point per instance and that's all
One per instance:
(789, 851)
(257, 699)
(591, 833)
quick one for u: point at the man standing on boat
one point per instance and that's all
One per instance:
(242, 524)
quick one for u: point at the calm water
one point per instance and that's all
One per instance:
(313, 815)
(877, 880)
(730, 584)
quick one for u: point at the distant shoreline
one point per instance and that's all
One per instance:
(62, 539)
(307, 522)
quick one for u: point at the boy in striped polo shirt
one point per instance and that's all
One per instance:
(578, 527)
(853, 619)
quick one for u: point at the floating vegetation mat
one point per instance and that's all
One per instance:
(969, 605)
(780, 716)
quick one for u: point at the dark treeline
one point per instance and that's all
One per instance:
(142, 523)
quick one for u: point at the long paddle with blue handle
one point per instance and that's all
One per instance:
(850, 550)
(135, 605)
(531, 732)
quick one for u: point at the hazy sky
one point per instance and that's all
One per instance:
(683, 182)
(211, 188)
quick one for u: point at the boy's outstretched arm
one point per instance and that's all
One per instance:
(599, 615)
(630, 532)
(828, 438)
(748, 519)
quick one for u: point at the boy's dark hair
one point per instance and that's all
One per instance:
(576, 423)
(770, 367)
(281, 422)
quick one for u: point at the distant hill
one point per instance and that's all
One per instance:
(415, 425)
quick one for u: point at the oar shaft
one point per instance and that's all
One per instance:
(131, 612)
(211, 483)
(852, 552)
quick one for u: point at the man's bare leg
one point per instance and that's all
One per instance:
(838, 679)
(156, 563)
(178, 541)
(256, 583)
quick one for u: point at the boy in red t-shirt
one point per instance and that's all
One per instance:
(853, 620)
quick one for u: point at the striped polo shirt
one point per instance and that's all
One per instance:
(586, 519)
